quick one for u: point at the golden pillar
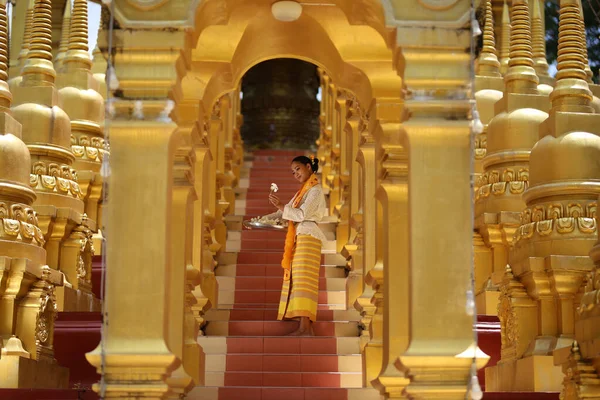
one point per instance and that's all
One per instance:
(152, 204)
(27, 300)
(191, 121)
(366, 249)
(489, 88)
(326, 137)
(226, 152)
(340, 181)
(353, 249)
(437, 142)
(337, 109)
(221, 202)
(392, 292)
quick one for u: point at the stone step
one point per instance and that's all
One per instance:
(282, 393)
(271, 256)
(285, 379)
(280, 345)
(270, 314)
(272, 283)
(283, 363)
(272, 297)
(272, 269)
(279, 328)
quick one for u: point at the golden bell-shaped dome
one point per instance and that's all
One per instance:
(82, 104)
(515, 130)
(15, 161)
(572, 156)
(42, 124)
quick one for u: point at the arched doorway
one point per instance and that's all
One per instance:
(361, 63)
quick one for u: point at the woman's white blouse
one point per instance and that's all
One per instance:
(311, 211)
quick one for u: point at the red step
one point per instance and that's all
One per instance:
(48, 394)
(276, 328)
(266, 283)
(273, 270)
(253, 393)
(270, 314)
(267, 296)
(282, 345)
(285, 379)
(281, 363)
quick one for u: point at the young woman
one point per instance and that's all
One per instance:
(302, 253)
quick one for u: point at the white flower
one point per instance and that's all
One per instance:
(274, 187)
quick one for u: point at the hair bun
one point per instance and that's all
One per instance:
(315, 164)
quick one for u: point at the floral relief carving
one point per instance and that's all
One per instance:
(18, 222)
(53, 177)
(563, 218)
(502, 182)
(508, 322)
(93, 149)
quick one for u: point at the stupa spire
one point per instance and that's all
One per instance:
(26, 34)
(38, 68)
(488, 59)
(521, 76)
(64, 38)
(572, 92)
(78, 36)
(539, 40)
(505, 43)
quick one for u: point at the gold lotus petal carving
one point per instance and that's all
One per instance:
(78, 151)
(587, 225)
(544, 228)
(48, 182)
(565, 225)
(517, 187)
(63, 185)
(11, 227)
(499, 188)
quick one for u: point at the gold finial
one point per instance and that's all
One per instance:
(488, 60)
(505, 45)
(38, 69)
(539, 40)
(64, 37)
(521, 76)
(571, 92)
(26, 33)
(78, 37)
(5, 96)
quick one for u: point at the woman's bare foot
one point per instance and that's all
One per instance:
(304, 329)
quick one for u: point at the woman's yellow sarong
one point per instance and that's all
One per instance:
(300, 294)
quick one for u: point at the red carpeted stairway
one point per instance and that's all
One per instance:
(248, 355)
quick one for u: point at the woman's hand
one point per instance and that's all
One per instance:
(276, 202)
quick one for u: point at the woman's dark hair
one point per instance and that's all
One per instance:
(314, 163)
